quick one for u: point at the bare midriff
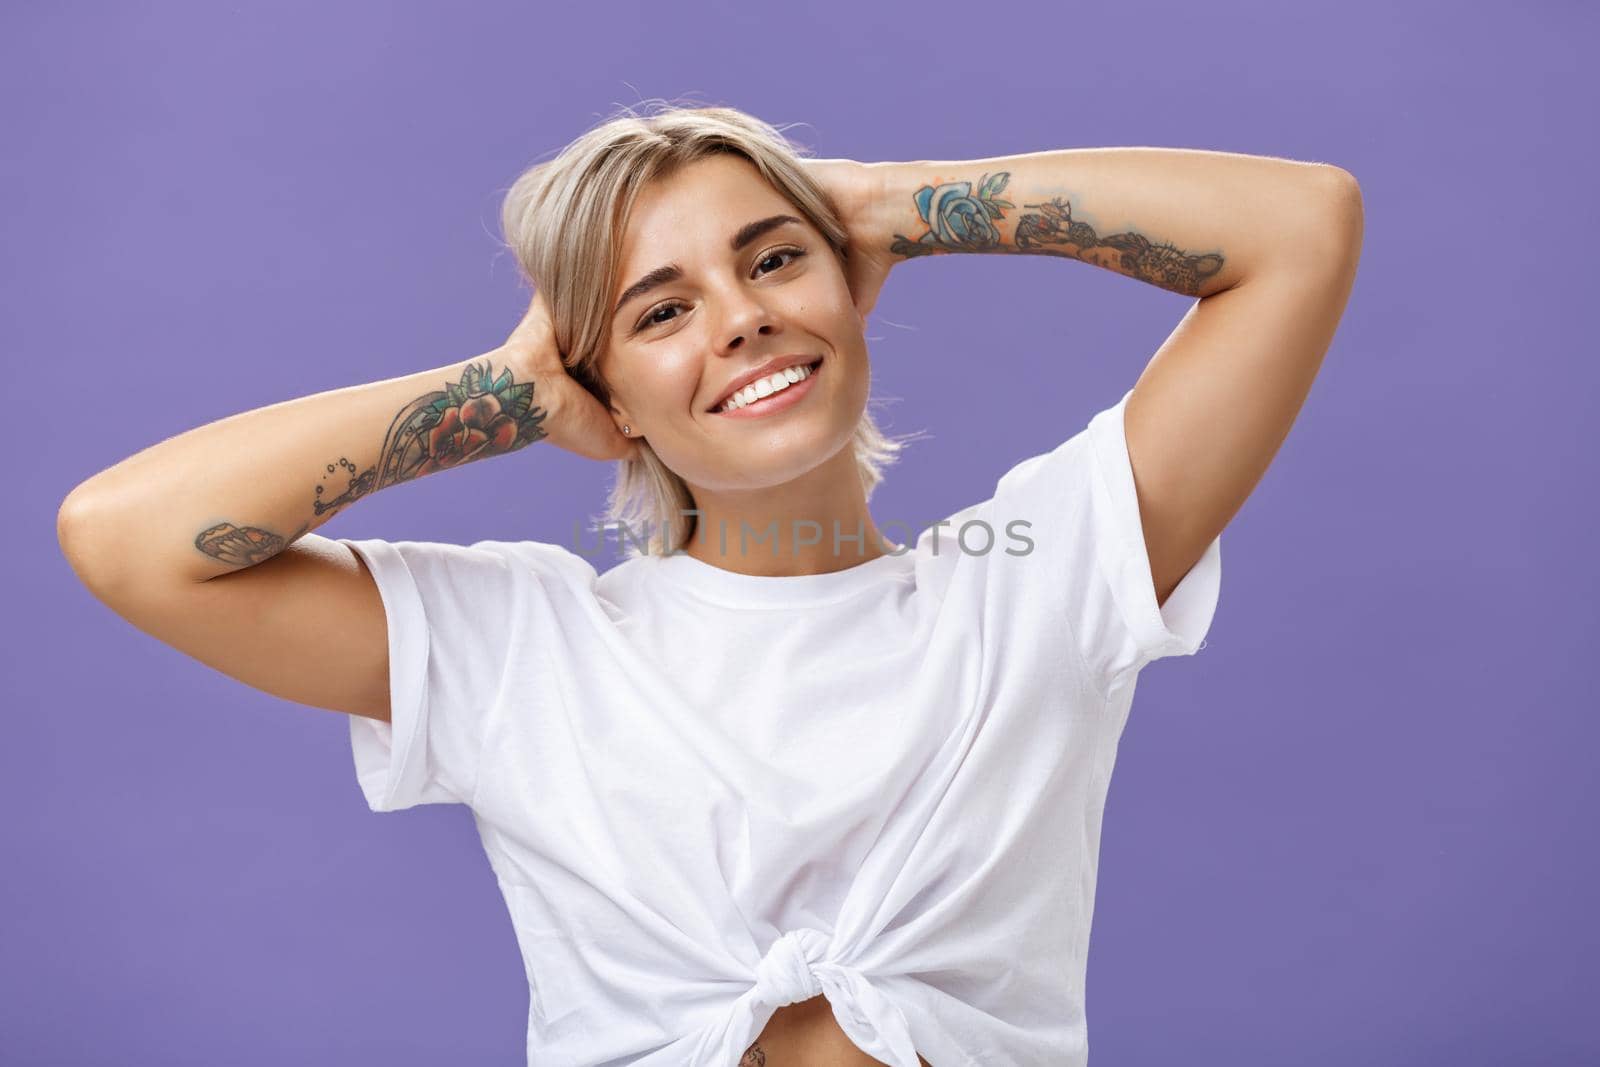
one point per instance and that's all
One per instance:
(807, 1035)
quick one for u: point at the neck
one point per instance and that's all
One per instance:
(815, 524)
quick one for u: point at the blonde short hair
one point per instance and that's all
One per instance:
(564, 221)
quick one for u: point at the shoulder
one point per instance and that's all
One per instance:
(540, 558)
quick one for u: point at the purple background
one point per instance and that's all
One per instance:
(1358, 828)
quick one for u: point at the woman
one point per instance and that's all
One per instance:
(775, 789)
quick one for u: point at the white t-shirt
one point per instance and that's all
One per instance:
(706, 795)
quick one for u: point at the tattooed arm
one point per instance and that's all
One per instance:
(1189, 221)
(1269, 245)
(238, 491)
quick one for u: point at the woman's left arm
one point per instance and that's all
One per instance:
(1270, 247)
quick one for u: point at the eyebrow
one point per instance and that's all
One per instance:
(749, 232)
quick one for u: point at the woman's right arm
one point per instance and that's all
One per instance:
(204, 540)
(238, 491)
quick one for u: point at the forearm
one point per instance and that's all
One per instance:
(237, 491)
(1189, 221)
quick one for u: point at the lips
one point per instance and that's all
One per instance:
(767, 369)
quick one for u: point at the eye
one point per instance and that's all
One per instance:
(776, 252)
(651, 318)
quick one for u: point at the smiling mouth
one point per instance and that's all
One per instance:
(752, 397)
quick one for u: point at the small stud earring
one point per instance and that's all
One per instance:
(624, 429)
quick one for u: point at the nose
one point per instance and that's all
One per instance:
(746, 317)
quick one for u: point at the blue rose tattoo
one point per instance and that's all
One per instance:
(960, 220)
(957, 220)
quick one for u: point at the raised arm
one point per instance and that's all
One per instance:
(1269, 245)
(204, 540)
(238, 491)
(1186, 220)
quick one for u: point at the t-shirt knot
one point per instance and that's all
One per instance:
(784, 974)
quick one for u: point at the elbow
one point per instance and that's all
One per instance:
(69, 535)
(1329, 243)
(69, 524)
(75, 526)
(1345, 213)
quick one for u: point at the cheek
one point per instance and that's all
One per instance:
(666, 382)
(834, 301)
(648, 380)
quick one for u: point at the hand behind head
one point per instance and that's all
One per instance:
(574, 419)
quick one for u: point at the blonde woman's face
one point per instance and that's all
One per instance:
(717, 312)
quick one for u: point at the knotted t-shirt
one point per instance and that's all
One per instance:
(706, 795)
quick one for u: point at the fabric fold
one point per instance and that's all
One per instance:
(796, 968)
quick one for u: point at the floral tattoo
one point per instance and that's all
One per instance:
(476, 418)
(960, 220)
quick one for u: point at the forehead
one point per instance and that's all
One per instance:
(698, 206)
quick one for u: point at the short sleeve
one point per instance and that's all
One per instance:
(451, 612)
(1088, 565)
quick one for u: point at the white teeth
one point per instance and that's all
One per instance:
(765, 387)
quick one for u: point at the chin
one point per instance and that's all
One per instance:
(763, 463)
